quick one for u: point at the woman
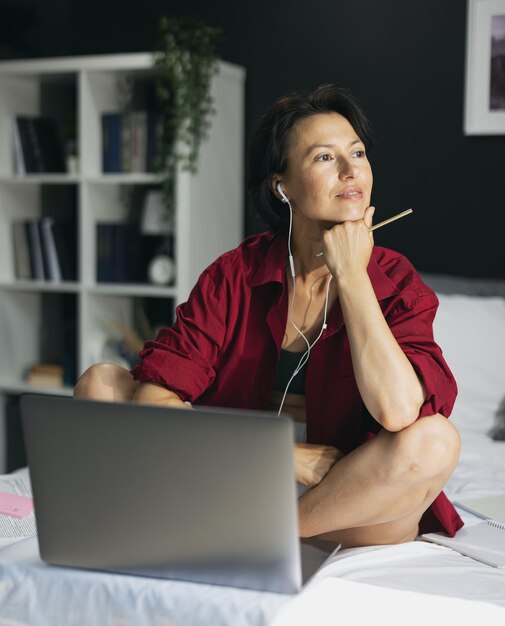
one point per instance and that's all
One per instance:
(315, 285)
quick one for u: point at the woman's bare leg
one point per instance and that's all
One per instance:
(378, 493)
(107, 382)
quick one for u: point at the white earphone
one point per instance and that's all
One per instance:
(285, 199)
(306, 354)
(281, 191)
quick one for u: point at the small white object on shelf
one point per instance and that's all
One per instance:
(156, 219)
(161, 270)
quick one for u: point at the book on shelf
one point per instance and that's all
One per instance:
(154, 137)
(52, 267)
(44, 249)
(51, 146)
(484, 542)
(117, 252)
(35, 247)
(27, 156)
(19, 162)
(138, 140)
(130, 141)
(126, 142)
(127, 240)
(47, 374)
(105, 251)
(38, 148)
(65, 237)
(111, 143)
(22, 267)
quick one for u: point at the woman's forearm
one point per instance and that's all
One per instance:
(388, 384)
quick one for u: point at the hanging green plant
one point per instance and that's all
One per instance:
(186, 61)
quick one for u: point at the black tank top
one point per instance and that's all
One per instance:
(288, 362)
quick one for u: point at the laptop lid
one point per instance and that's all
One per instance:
(204, 495)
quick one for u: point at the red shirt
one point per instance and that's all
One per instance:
(224, 347)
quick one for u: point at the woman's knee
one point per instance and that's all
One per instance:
(441, 440)
(107, 382)
(429, 447)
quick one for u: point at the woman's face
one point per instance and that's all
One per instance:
(328, 178)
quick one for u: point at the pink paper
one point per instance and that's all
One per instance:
(14, 505)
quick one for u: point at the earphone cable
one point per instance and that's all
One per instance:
(306, 354)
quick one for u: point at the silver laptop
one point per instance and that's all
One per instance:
(202, 495)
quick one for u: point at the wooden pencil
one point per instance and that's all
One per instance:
(383, 223)
(390, 219)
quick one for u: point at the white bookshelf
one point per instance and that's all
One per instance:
(209, 205)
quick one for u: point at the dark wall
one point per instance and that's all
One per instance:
(404, 61)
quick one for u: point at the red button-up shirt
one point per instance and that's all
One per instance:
(224, 347)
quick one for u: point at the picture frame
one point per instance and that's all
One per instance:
(485, 68)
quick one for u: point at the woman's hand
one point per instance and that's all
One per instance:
(313, 462)
(347, 247)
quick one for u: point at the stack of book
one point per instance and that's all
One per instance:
(38, 147)
(130, 141)
(118, 252)
(43, 249)
(47, 374)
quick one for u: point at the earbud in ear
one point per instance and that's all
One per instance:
(281, 191)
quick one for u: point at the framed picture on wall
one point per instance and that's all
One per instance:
(485, 68)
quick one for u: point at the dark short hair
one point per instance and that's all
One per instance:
(270, 140)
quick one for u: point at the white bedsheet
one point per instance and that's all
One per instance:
(481, 467)
(36, 594)
(32, 593)
(334, 601)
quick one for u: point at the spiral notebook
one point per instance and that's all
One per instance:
(484, 541)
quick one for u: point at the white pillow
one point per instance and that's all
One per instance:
(471, 332)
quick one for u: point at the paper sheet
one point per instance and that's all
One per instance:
(12, 527)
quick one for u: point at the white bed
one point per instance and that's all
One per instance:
(403, 584)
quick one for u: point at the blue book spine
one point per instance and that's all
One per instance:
(126, 252)
(106, 252)
(112, 124)
(64, 234)
(36, 250)
(154, 136)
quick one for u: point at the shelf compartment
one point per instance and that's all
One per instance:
(115, 327)
(35, 95)
(37, 328)
(119, 92)
(112, 254)
(29, 203)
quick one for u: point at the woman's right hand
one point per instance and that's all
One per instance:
(313, 462)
